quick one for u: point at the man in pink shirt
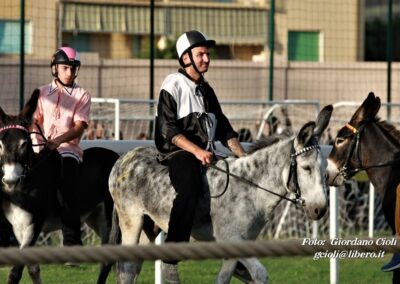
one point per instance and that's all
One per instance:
(63, 114)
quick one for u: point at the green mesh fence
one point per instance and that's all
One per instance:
(324, 52)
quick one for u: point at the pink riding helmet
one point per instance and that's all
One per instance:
(66, 55)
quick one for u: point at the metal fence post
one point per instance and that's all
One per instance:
(22, 56)
(371, 211)
(334, 231)
(157, 265)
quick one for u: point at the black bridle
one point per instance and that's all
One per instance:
(27, 166)
(345, 170)
(292, 179)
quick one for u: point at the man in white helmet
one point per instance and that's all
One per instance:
(189, 118)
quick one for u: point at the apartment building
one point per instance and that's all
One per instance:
(119, 29)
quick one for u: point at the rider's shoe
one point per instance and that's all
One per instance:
(393, 264)
(170, 273)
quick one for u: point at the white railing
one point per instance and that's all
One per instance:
(242, 114)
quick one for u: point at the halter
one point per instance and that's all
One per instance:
(344, 171)
(19, 127)
(298, 200)
(354, 147)
(14, 126)
(28, 166)
(292, 179)
(23, 128)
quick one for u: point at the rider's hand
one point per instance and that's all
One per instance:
(52, 144)
(204, 156)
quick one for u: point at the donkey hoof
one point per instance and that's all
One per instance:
(170, 273)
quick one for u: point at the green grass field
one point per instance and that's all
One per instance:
(284, 270)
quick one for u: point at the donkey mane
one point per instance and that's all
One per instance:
(265, 142)
(390, 129)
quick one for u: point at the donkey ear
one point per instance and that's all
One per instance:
(3, 117)
(322, 120)
(368, 109)
(30, 107)
(305, 134)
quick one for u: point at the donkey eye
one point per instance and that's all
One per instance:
(339, 141)
(307, 168)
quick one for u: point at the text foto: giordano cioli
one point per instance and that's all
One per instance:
(355, 241)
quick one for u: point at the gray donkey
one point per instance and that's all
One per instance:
(141, 188)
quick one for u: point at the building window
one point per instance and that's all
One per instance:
(10, 34)
(303, 46)
(80, 42)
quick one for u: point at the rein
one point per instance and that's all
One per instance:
(355, 147)
(40, 132)
(298, 201)
(20, 127)
(249, 182)
(228, 174)
(163, 158)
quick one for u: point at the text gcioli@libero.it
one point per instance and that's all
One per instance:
(340, 253)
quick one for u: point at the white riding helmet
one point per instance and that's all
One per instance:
(189, 40)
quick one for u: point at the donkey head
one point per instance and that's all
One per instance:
(307, 178)
(343, 158)
(15, 143)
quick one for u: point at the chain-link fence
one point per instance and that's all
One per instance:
(267, 51)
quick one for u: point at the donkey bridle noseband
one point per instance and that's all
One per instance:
(23, 128)
(27, 166)
(344, 171)
(298, 200)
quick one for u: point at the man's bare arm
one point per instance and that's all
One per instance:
(235, 146)
(182, 142)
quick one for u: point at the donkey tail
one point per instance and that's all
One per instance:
(114, 239)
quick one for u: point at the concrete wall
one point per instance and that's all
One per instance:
(326, 83)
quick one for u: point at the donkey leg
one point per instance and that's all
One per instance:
(226, 272)
(97, 222)
(26, 232)
(15, 274)
(131, 226)
(136, 266)
(257, 271)
(34, 273)
(30, 238)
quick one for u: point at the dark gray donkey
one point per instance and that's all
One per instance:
(28, 194)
